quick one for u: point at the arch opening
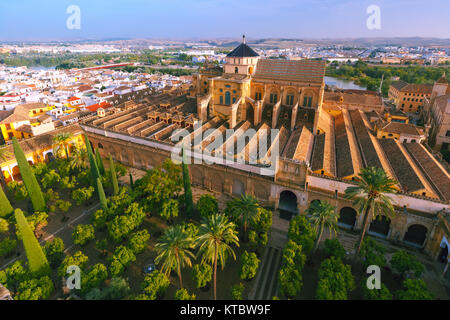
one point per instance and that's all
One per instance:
(416, 235)
(380, 226)
(347, 217)
(287, 204)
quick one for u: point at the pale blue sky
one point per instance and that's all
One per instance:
(46, 19)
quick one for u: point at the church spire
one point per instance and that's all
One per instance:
(243, 38)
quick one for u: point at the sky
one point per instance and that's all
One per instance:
(30, 20)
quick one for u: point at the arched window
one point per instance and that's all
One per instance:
(227, 98)
(273, 97)
(290, 99)
(307, 101)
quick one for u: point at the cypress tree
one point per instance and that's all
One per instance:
(100, 165)
(101, 194)
(5, 205)
(36, 258)
(131, 181)
(112, 169)
(95, 173)
(187, 185)
(33, 188)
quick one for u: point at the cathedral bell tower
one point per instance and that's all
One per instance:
(242, 60)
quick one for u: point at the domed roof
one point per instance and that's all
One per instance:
(242, 50)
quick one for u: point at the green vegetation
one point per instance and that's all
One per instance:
(207, 205)
(370, 197)
(406, 264)
(83, 234)
(250, 265)
(113, 176)
(372, 253)
(335, 280)
(175, 251)
(101, 194)
(332, 247)
(216, 235)
(37, 261)
(29, 179)
(183, 294)
(323, 214)
(301, 232)
(188, 202)
(414, 289)
(5, 206)
(155, 284)
(236, 291)
(202, 274)
(370, 76)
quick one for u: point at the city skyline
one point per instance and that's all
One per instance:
(46, 20)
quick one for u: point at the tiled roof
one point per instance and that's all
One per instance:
(366, 146)
(242, 50)
(399, 85)
(343, 154)
(318, 153)
(399, 128)
(403, 171)
(353, 97)
(434, 173)
(291, 70)
(417, 88)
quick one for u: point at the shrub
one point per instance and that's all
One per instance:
(49, 179)
(202, 274)
(35, 289)
(36, 259)
(77, 259)
(183, 294)
(63, 206)
(406, 264)
(236, 291)
(99, 219)
(372, 253)
(68, 182)
(291, 280)
(121, 259)
(414, 289)
(293, 255)
(334, 248)
(82, 195)
(4, 225)
(94, 278)
(83, 234)
(7, 246)
(155, 284)
(250, 264)
(207, 205)
(301, 232)
(18, 190)
(138, 241)
(169, 209)
(376, 294)
(54, 250)
(335, 280)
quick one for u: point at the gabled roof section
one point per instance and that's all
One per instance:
(241, 51)
(291, 70)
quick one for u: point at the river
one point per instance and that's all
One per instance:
(342, 84)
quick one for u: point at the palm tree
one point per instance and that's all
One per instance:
(4, 155)
(61, 140)
(246, 208)
(216, 233)
(78, 158)
(369, 196)
(323, 214)
(174, 249)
